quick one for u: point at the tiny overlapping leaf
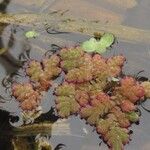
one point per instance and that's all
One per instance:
(100, 105)
(112, 133)
(65, 102)
(24, 93)
(91, 45)
(130, 89)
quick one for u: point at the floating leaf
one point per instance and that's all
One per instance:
(99, 46)
(90, 45)
(31, 34)
(79, 75)
(120, 117)
(51, 66)
(71, 53)
(100, 49)
(106, 40)
(90, 88)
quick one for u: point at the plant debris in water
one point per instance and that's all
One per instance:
(93, 88)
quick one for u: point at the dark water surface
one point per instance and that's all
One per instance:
(82, 136)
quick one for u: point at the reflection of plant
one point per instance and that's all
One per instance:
(29, 94)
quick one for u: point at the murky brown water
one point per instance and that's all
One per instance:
(138, 55)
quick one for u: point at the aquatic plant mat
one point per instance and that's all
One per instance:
(84, 84)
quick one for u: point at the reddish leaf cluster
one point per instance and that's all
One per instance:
(81, 67)
(128, 93)
(88, 76)
(99, 107)
(112, 133)
(24, 93)
(91, 88)
(42, 73)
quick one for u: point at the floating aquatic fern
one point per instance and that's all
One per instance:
(98, 109)
(65, 101)
(93, 88)
(112, 133)
(24, 93)
(116, 111)
(42, 73)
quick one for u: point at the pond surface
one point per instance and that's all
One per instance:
(128, 13)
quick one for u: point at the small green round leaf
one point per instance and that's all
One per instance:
(106, 40)
(90, 45)
(100, 49)
(31, 34)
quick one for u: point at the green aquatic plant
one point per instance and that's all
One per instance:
(113, 134)
(93, 87)
(98, 109)
(106, 100)
(99, 46)
(132, 116)
(24, 93)
(91, 45)
(65, 102)
(105, 42)
(42, 73)
(31, 34)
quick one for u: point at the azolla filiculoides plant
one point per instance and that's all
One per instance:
(94, 88)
